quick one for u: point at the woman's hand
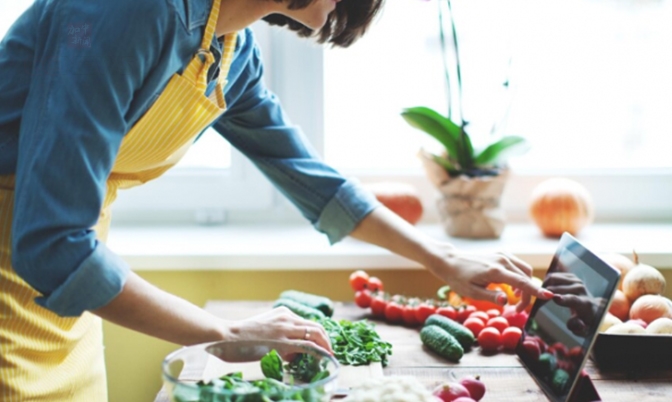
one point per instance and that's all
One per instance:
(280, 324)
(571, 292)
(469, 274)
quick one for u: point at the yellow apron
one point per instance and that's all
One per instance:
(44, 357)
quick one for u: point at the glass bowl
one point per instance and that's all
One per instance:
(202, 372)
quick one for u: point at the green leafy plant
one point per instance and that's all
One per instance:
(460, 157)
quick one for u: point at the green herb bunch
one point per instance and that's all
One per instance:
(460, 157)
(356, 343)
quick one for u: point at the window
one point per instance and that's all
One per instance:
(590, 89)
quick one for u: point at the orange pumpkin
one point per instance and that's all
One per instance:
(560, 205)
(400, 198)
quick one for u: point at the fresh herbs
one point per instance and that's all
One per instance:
(356, 343)
(304, 368)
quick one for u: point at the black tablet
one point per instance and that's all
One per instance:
(559, 332)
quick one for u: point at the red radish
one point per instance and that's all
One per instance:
(449, 391)
(475, 386)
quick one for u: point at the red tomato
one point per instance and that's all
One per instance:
(510, 338)
(493, 312)
(424, 310)
(358, 280)
(393, 312)
(374, 284)
(465, 312)
(489, 339)
(515, 319)
(378, 305)
(482, 315)
(498, 322)
(559, 349)
(474, 324)
(363, 298)
(408, 316)
(448, 312)
(575, 354)
(532, 349)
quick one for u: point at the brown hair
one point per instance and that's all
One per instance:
(347, 23)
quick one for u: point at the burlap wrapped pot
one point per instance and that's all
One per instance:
(469, 207)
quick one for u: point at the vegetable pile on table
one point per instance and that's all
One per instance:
(354, 343)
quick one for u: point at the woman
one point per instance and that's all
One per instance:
(104, 95)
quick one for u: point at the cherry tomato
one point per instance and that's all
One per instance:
(358, 280)
(498, 322)
(374, 284)
(378, 305)
(514, 318)
(393, 312)
(490, 339)
(482, 315)
(363, 298)
(474, 324)
(510, 338)
(448, 312)
(464, 312)
(408, 316)
(493, 312)
(559, 349)
(532, 349)
(424, 310)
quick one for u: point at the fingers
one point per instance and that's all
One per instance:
(315, 334)
(523, 283)
(494, 296)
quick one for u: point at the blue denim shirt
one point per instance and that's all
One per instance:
(76, 75)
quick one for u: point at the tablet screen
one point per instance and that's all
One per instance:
(559, 332)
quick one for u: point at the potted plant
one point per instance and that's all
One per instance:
(471, 180)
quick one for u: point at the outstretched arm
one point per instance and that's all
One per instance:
(467, 273)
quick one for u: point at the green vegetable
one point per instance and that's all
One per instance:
(233, 388)
(547, 363)
(356, 343)
(441, 342)
(307, 368)
(271, 365)
(457, 330)
(300, 309)
(560, 380)
(324, 304)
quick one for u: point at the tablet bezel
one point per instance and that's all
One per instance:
(604, 270)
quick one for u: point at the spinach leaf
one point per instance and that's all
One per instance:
(271, 365)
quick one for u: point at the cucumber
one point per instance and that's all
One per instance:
(324, 304)
(441, 342)
(457, 330)
(300, 309)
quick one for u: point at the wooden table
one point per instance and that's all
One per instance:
(503, 375)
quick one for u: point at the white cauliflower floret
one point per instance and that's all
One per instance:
(391, 389)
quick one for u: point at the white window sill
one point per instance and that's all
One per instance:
(296, 247)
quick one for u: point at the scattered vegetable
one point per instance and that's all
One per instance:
(356, 343)
(324, 304)
(450, 391)
(300, 309)
(457, 330)
(440, 341)
(474, 385)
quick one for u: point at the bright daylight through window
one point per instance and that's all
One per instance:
(590, 88)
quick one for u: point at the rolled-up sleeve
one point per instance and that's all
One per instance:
(89, 59)
(257, 126)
